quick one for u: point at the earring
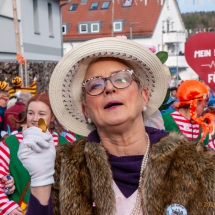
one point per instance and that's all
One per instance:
(144, 109)
(89, 120)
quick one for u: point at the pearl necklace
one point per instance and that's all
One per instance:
(138, 203)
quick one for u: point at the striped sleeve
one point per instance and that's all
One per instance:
(19, 136)
(55, 139)
(211, 143)
(6, 206)
(70, 137)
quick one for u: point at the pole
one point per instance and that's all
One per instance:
(177, 64)
(61, 35)
(26, 77)
(17, 37)
(130, 31)
(112, 18)
(131, 24)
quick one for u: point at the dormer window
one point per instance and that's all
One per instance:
(105, 5)
(73, 7)
(83, 28)
(63, 29)
(83, 1)
(127, 3)
(117, 26)
(94, 6)
(95, 27)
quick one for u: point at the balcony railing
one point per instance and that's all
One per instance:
(174, 37)
(174, 61)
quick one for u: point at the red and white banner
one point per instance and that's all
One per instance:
(200, 55)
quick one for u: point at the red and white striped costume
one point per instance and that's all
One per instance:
(6, 206)
(189, 128)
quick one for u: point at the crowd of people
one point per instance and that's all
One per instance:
(106, 90)
(23, 114)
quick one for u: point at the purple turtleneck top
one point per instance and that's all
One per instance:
(125, 169)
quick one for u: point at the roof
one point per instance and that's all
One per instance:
(146, 15)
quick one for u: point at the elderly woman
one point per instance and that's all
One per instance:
(104, 89)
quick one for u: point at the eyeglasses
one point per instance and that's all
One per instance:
(5, 99)
(96, 85)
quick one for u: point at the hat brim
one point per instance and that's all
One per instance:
(65, 89)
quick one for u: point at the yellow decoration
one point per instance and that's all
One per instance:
(24, 207)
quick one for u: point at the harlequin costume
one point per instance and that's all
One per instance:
(10, 164)
(17, 86)
(197, 128)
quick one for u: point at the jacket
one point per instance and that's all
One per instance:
(178, 171)
(13, 111)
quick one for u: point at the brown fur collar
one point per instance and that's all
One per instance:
(182, 172)
(178, 171)
(83, 176)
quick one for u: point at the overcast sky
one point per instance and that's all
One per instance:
(196, 5)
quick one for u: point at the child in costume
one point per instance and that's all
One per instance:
(37, 107)
(187, 118)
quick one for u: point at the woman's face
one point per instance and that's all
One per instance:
(37, 110)
(200, 107)
(114, 106)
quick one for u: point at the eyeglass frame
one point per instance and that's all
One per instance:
(5, 99)
(131, 71)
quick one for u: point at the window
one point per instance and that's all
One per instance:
(83, 28)
(117, 26)
(73, 7)
(83, 1)
(127, 3)
(51, 33)
(36, 17)
(63, 29)
(167, 26)
(94, 6)
(105, 5)
(95, 27)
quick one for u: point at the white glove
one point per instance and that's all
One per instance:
(37, 154)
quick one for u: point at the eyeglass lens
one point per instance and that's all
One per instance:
(120, 80)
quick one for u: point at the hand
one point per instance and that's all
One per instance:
(9, 183)
(35, 139)
(17, 211)
(37, 154)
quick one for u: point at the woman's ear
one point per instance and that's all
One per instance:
(52, 118)
(84, 109)
(145, 96)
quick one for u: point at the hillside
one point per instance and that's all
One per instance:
(199, 20)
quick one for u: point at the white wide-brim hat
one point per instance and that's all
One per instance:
(65, 90)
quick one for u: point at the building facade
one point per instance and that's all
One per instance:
(153, 22)
(39, 30)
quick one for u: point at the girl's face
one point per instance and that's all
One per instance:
(37, 110)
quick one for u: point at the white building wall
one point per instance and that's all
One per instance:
(41, 45)
(34, 46)
(6, 8)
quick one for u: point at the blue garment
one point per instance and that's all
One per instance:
(171, 107)
(2, 110)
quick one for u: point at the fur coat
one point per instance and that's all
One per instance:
(178, 171)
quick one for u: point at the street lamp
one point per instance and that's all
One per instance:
(131, 24)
